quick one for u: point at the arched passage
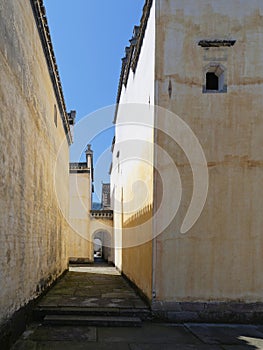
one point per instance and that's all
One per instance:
(102, 245)
(97, 248)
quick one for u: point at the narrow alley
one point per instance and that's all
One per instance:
(131, 174)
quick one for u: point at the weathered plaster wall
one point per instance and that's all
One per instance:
(137, 258)
(220, 258)
(80, 242)
(33, 247)
(117, 216)
(132, 172)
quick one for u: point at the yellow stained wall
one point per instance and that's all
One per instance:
(137, 258)
(33, 225)
(80, 240)
(220, 258)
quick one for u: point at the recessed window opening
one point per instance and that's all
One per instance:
(212, 81)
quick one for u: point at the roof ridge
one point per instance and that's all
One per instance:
(132, 52)
(39, 12)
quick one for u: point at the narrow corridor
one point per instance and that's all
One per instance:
(92, 290)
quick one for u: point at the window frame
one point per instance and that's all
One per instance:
(220, 71)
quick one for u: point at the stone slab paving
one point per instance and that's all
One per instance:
(102, 289)
(92, 286)
(151, 336)
(230, 335)
(150, 333)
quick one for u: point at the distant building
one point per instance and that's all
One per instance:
(89, 221)
(105, 196)
(80, 248)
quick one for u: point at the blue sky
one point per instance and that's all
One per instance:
(89, 38)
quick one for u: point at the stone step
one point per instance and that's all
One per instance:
(40, 312)
(101, 321)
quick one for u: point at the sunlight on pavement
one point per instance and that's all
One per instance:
(95, 269)
(256, 342)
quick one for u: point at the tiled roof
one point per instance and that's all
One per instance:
(132, 52)
(44, 33)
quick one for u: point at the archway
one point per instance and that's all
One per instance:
(102, 245)
(97, 248)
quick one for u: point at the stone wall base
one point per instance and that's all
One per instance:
(209, 312)
(73, 260)
(12, 329)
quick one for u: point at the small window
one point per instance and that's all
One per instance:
(214, 79)
(211, 81)
(55, 115)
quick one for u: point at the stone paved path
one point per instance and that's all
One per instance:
(100, 289)
(98, 286)
(151, 336)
